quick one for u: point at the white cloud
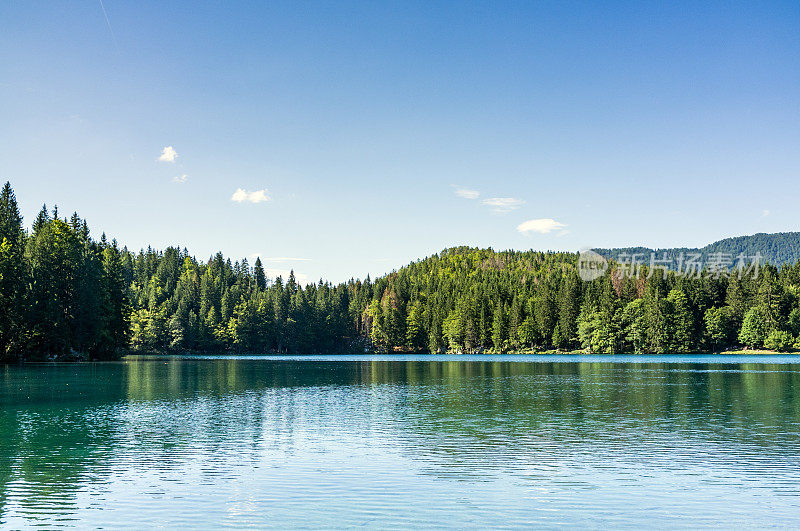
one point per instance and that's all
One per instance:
(467, 194)
(258, 196)
(765, 213)
(542, 226)
(180, 178)
(503, 204)
(168, 154)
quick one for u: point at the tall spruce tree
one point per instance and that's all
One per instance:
(12, 275)
(260, 276)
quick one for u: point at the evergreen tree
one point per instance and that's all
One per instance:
(545, 309)
(435, 338)
(415, 337)
(260, 277)
(500, 327)
(634, 327)
(117, 309)
(656, 315)
(12, 275)
(64, 294)
(681, 326)
(569, 298)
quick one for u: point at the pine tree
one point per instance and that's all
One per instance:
(415, 334)
(260, 277)
(569, 301)
(500, 327)
(545, 309)
(736, 299)
(117, 307)
(12, 283)
(633, 326)
(41, 219)
(656, 313)
(435, 337)
(377, 333)
(76, 296)
(770, 295)
(681, 325)
(55, 257)
(515, 318)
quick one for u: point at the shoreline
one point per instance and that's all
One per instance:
(388, 355)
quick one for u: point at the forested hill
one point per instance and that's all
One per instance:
(65, 294)
(778, 248)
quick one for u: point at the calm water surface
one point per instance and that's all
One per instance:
(402, 441)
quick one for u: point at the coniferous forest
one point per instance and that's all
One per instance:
(67, 295)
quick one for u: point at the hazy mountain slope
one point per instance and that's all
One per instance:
(777, 248)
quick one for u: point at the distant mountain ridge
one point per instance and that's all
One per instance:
(776, 248)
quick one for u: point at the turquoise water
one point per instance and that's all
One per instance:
(402, 441)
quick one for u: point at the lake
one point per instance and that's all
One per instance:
(402, 441)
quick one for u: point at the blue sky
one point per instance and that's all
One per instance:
(356, 137)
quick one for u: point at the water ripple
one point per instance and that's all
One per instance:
(401, 443)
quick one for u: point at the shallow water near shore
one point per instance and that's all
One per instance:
(402, 441)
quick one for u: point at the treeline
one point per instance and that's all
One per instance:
(63, 294)
(470, 300)
(181, 304)
(776, 248)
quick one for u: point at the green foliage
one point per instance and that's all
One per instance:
(435, 339)
(754, 327)
(378, 335)
(599, 330)
(415, 333)
(66, 294)
(656, 319)
(719, 326)
(459, 328)
(569, 297)
(681, 322)
(779, 340)
(500, 328)
(793, 322)
(12, 276)
(633, 326)
(527, 332)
